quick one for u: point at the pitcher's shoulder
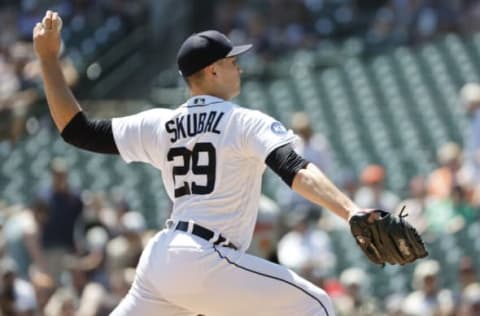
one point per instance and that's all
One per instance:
(246, 112)
(159, 114)
(155, 112)
(252, 115)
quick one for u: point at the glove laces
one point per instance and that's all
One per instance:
(414, 231)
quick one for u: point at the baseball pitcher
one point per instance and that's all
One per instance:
(212, 154)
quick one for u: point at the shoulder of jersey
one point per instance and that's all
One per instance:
(250, 113)
(157, 111)
(155, 115)
(160, 113)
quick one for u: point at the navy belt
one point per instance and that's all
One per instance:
(206, 234)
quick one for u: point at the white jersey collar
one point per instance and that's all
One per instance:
(203, 100)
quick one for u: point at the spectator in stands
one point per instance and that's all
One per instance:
(372, 192)
(315, 148)
(470, 99)
(356, 300)
(455, 14)
(461, 200)
(44, 287)
(428, 298)
(17, 296)
(256, 30)
(442, 180)
(120, 282)
(466, 272)
(92, 299)
(8, 37)
(449, 205)
(381, 33)
(98, 213)
(20, 55)
(428, 21)
(417, 21)
(393, 305)
(305, 248)
(64, 209)
(267, 231)
(470, 301)
(132, 13)
(466, 277)
(470, 18)
(124, 250)
(450, 214)
(95, 254)
(9, 85)
(17, 89)
(23, 233)
(62, 303)
(120, 207)
(78, 292)
(7, 295)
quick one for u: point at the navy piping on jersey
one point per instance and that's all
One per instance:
(271, 277)
(204, 104)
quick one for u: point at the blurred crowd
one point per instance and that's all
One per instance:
(74, 252)
(277, 26)
(19, 72)
(69, 252)
(274, 27)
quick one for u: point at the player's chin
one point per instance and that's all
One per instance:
(234, 91)
(238, 88)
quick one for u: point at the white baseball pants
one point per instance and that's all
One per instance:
(180, 274)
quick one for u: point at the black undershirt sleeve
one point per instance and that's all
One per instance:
(285, 162)
(91, 135)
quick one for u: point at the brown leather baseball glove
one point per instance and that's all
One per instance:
(388, 238)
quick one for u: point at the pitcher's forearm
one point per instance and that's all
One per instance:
(61, 102)
(313, 185)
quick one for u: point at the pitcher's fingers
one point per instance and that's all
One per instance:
(56, 21)
(36, 30)
(47, 20)
(38, 26)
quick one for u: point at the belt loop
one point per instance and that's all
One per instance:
(190, 226)
(215, 237)
(225, 242)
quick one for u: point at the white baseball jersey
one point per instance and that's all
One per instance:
(212, 156)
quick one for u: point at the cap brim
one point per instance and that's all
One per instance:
(240, 49)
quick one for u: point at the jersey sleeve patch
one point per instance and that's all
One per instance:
(278, 128)
(264, 133)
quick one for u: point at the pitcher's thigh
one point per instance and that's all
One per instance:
(248, 285)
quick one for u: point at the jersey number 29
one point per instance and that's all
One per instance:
(190, 160)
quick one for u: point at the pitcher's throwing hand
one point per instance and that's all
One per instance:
(46, 36)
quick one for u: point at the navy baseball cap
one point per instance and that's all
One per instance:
(202, 49)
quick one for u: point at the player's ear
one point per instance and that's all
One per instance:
(212, 69)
